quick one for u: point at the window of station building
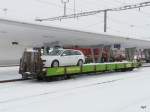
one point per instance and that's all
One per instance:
(15, 43)
(117, 46)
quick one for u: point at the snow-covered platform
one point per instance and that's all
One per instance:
(8, 73)
(109, 92)
(146, 65)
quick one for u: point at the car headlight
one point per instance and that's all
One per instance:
(44, 69)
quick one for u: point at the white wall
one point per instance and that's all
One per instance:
(10, 55)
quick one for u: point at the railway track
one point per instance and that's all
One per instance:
(12, 80)
(17, 80)
(146, 66)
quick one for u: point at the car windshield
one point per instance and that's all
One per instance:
(55, 52)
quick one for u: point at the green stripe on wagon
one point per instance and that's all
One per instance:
(55, 71)
(111, 67)
(128, 65)
(88, 68)
(101, 67)
(73, 70)
(120, 65)
(136, 64)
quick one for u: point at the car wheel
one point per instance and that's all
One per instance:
(55, 64)
(39, 78)
(80, 63)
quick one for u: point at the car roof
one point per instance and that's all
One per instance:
(71, 49)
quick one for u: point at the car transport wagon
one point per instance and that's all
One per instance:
(34, 64)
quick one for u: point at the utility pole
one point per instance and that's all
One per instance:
(105, 20)
(74, 8)
(65, 5)
(81, 14)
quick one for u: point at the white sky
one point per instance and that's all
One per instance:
(131, 23)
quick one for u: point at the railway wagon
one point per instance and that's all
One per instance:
(32, 67)
(89, 68)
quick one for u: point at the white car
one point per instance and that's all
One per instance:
(63, 57)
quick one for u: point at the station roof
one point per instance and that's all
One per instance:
(28, 34)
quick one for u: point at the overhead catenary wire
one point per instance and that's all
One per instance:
(87, 13)
(126, 7)
(116, 21)
(74, 9)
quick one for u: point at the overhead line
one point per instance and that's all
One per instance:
(126, 7)
(143, 4)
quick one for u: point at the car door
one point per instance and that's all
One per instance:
(66, 58)
(75, 57)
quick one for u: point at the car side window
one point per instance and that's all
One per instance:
(66, 53)
(77, 53)
(74, 52)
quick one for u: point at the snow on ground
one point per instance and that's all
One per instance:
(146, 65)
(7, 73)
(110, 92)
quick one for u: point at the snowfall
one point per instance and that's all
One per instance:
(108, 92)
(133, 23)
